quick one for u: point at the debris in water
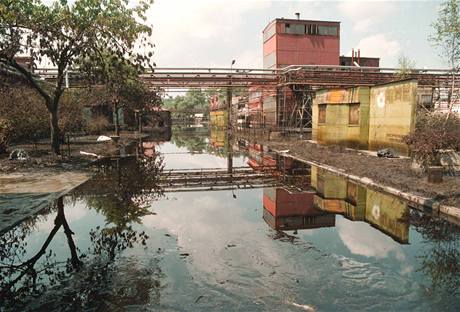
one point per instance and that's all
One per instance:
(198, 299)
(19, 154)
(103, 138)
(304, 307)
(89, 154)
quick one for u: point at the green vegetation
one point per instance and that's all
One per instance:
(405, 66)
(194, 99)
(71, 35)
(22, 108)
(122, 86)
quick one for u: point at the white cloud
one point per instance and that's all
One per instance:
(207, 224)
(361, 239)
(201, 32)
(365, 14)
(379, 45)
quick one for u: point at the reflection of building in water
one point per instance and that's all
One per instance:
(291, 210)
(338, 195)
(259, 158)
(148, 149)
(146, 146)
(218, 137)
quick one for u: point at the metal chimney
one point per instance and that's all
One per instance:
(297, 15)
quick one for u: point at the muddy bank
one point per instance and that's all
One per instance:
(41, 157)
(28, 186)
(394, 172)
(25, 194)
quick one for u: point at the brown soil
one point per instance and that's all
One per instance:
(394, 172)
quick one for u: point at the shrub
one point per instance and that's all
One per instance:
(71, 111)
(98, 125)
(433, 132)
(29, 118)
(5, 134)
(26, 111)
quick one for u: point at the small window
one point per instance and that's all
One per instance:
(314, 29)
(322, 113)
(311, 29)
(353, 115)
(295, 29)
(327, 30)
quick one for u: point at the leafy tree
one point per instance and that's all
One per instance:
(194, 99)
(405, 66)
(446, 37)
(122, 86)
(64, 34)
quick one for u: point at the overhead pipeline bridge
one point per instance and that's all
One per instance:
(314, 76)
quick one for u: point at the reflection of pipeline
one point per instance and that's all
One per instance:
(286, 210)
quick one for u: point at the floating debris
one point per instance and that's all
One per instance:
(19, 154)
(103, 138)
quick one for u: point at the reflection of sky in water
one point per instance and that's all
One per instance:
(180, 158)
(232, 260)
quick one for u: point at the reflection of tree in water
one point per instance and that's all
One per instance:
(95, 279)
(128, 186)
(441, 258)
(193, 139)
(21, 278)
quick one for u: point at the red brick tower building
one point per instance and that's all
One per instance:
(300, 42)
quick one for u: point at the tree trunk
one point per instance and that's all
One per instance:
(55, 133)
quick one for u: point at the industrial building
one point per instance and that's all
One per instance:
(366, 117)
(300, 42)
(296, 42)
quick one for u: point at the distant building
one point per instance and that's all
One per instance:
(357, 60)
(25, 61)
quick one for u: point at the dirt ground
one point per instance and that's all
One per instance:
(394, 172)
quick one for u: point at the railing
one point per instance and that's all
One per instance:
(319, 75)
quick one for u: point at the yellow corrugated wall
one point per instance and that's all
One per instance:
(336, 129)
(392, 115)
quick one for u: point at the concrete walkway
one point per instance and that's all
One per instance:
(24, 194)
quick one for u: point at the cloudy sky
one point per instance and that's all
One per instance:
(209, 33)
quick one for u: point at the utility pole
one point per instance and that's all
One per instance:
(229, 123)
